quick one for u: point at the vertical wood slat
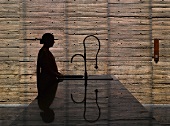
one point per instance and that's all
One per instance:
(9, 46)
(39, 17)
(87, 19)
(129, 33)
(161, 30)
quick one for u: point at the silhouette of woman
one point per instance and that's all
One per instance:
(47, 74)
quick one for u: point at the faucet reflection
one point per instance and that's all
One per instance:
(85, 79)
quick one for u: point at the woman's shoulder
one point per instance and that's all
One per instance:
(43, 50)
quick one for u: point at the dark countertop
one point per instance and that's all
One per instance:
(90, 77)
(118, 106)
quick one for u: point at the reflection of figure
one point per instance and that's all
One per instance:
(47, 74)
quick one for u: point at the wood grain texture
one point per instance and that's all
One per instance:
(9, 45)
(161, 29)
(129, 33)
(126, 30)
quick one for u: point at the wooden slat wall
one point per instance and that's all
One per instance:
(161, 31)
(9, 51)
(70, 21)
(130, 41)
(126, 30)
(39, 17)
(87, 18)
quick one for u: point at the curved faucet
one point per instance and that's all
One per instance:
(98, 48)
(86, 77)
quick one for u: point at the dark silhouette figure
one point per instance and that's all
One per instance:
(48, 78)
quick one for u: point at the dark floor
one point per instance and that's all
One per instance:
(160, 112)
(9, 114)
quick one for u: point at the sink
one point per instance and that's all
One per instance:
(100, 77)
(90, 77)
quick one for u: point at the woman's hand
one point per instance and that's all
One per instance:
(60, 77)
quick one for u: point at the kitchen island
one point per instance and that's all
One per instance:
(118, 107)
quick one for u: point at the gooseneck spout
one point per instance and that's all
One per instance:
(86, 78)
(76, 55)
(97, 50)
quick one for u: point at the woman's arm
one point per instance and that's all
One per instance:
(49, 65)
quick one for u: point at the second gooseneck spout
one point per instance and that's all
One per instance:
(86, 78)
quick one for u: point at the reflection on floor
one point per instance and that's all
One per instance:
(9, 114)
(118, 106)
(161, 112)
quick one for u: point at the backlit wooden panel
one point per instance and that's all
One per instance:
(125, 28)
(130, 42)
(9, 51)
(39, 17)
(161, 30)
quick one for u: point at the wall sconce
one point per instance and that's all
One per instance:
(156, 50)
